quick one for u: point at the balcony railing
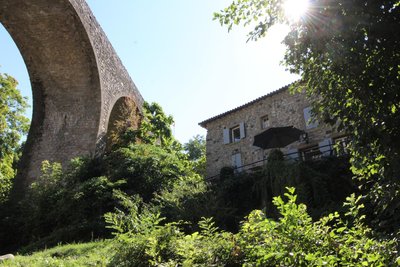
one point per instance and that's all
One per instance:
(310, 153)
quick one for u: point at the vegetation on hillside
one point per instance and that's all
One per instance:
(142, 239)
(97, 253)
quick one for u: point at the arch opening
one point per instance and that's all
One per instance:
(125, 116)
(76, 79)
(66, 92)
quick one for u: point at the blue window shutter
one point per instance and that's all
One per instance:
(226, 136)
(237, 162)
(310, 123)
(242, 130)
(293, 154)
(325, 147)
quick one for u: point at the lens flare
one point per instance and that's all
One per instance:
(295, 9)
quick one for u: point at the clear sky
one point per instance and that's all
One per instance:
(180, 58)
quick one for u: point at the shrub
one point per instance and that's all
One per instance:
(62, 206)
(209, 247)
(294, 240)
(188, 199)
(146, 168)
(144, 241)
(235, 198)
(140, 237)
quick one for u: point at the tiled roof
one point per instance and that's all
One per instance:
(204, 123)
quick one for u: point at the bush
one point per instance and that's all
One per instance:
(234, 199)
(61, 206)
(188, 199)
(140, 237)
(144, 241)
(146, 168)
(294, 240)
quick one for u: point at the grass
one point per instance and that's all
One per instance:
(87, 254)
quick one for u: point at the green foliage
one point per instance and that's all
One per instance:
(146, 168)
(68, 205)
(154, 129)
(262, 13)
(73, 255)
(347, 53)
(6, 174)
(322, 185)
(141, 238)
(209, 247)
(294, 240)
(195, 147)
(234, 198)
(61, 206)
(195, 150)
(144, 241)
(188, 199)
(136, 218)
(13, 125)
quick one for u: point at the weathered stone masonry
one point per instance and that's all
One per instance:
(281, 108)
(76, 79)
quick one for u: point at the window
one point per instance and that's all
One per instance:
(237, 162)
(308, 118)
(311, 153)
(341, 146)
(315, 152)
(325, 146)
(234, 134)
(292, 155)
(265, 122)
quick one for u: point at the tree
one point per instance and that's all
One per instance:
(154, 129)
(195, 150)
(347, 53)
(195, 147)
(13, 125)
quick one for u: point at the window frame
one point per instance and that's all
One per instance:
(310, 122)
(265, 125)
(229, 134)
(234, 134)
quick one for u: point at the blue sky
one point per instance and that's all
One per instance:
(180, 58)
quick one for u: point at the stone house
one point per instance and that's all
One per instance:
(230, 135)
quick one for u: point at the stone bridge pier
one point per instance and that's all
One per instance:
(76, 80)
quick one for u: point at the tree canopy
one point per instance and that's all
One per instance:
(13, 125)
(154, 129)
(195, 147)
(347, 53)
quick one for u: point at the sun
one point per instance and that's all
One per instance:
(295, 9)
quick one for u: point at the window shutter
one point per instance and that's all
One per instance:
(234, 160)
(293, 154)
(226, 136)
(237, 161)
(308, 118)
(242, 130)
(325, 147)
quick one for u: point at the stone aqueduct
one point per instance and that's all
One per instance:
(76, 80)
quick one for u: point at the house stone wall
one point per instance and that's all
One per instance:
(283, 109)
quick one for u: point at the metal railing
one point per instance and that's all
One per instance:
(301, 155)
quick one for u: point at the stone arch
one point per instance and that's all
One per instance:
(76, 78)
(124, 114)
